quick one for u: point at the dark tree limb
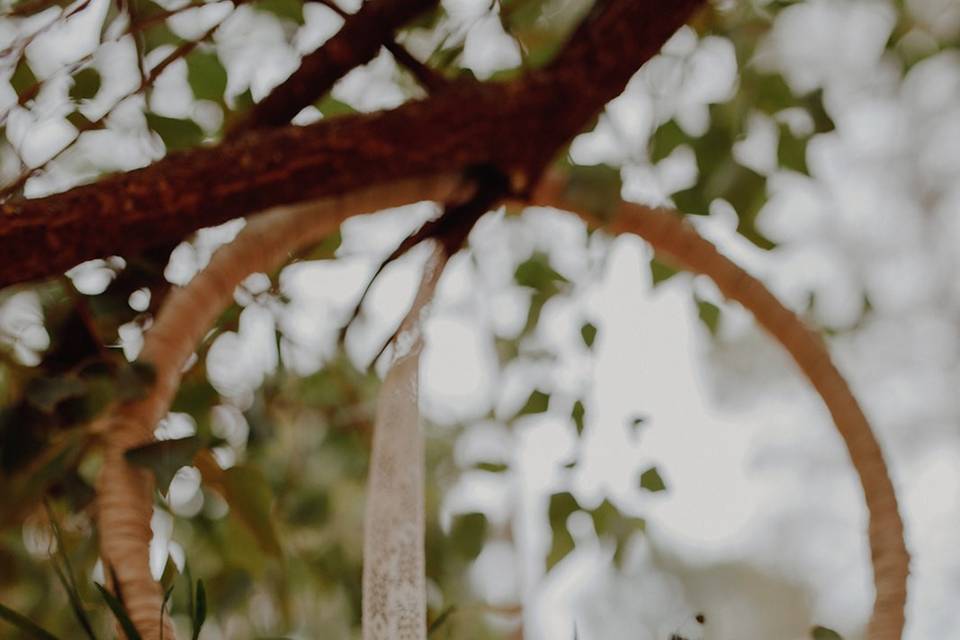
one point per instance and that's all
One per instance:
(515, 126)
(428, 78)
(358, 41)
(487, 186)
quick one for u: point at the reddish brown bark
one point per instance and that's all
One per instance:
(516, 126)
(357, 42)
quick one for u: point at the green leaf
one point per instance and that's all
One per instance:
(65, 575)
(326, 249)
(86, 83)
(692, 201)
(822, 122)
(651, 480)
(562, 505)
(535, 272)
(468, 533)
(743, 188)
(491, 467)
(250, 499)
(609, 522)
(661, 272)
(158, 35)
(589, 333)
(200, 613)
(24, 624)
(191, 602)
(538, 402)
(82, 123)
(163, 607)
(285, 9)
(165, 457)
(665, 139)
(605, 518)
(119, 612)
(595, 188)
(709, 315)
(440, 619)
(195, 397)
(427, 19)
(746, 190)
(24, 8)
(792, 151)
(720, 176)
(135, 380)
(520, 13)
(242, 102)
(310, 507)
(444, 58)
(771, 94)
(101, 391)
(206, 76)
(25, 489)
(46, 393)
(578, 414)
(331, 107)
(23, 81)
(823, 633)
(175, 133)
(560, 548)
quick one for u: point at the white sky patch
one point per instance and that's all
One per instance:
(488, 48)
(457, 387)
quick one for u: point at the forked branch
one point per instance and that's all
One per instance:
(516, 126)
(357, 42)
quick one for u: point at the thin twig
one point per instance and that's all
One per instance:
(133, 29)
(181, 51)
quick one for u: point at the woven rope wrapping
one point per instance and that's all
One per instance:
(394, 567)
(125, 492)
(670, 235)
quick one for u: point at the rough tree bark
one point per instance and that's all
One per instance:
(467, 124)
(516, 126)
(357, 42)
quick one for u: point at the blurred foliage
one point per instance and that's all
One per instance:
(823, 633)
(275, 536)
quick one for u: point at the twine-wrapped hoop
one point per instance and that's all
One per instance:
(669, 235)
(124, 493)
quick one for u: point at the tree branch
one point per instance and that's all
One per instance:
(516, 126)
(669, 234)
(357, 42)
(431, 80)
